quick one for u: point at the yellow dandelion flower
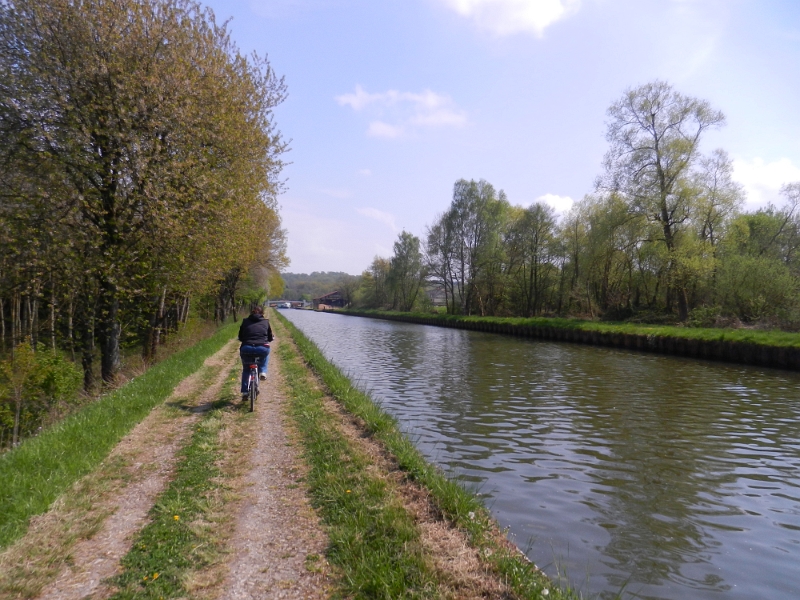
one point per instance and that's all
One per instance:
(144, 578)
(177, 518)
(347, 491)
(155, 576)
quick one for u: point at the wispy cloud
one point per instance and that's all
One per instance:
(396, 114)
(384, 130)
(380, 216)
(561, 204)
(339, 194)
(763, 180)
(364, 172)
(506, 17)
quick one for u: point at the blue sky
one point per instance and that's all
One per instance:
(391, 101)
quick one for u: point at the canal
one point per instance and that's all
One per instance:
(663, 477)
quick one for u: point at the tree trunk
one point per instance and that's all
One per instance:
(70, 338)
(109, 330)
(17, 413)
(2, 327)
(52, 314)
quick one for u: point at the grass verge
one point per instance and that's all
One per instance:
(33, 475)
(457, 505)
(373, 540)
(775, 338)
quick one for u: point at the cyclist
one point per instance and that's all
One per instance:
(255, 335)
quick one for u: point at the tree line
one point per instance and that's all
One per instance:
(139, 168)
(661, 238)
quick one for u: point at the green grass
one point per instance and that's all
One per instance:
(166, 549)
(34, 474)
(457, 504)
(750, 336)
(373, 540)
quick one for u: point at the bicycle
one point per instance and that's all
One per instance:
(252, 382)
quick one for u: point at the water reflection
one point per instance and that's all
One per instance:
(668, 477)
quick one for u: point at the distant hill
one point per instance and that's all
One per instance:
(302, 286)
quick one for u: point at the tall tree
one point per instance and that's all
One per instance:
(655, 134)
(137, 124)
(406, 272)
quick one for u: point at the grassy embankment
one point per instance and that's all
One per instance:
(373, 539)
(33, 475)
(771, 338)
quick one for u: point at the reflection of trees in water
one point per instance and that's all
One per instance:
(664, 467)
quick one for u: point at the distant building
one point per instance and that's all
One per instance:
(331, 300)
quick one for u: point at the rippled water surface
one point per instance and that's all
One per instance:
(665, 477)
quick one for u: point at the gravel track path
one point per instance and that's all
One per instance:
(278, 544)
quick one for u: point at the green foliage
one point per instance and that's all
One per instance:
(133, 177)
(32, 384)
(660, 236)
(302, 286)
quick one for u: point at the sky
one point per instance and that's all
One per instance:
(392, 101)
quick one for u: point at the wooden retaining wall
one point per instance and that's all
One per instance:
(728, 351)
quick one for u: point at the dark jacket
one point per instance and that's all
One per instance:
(255, 331)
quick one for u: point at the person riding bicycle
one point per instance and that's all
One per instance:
(255, 335)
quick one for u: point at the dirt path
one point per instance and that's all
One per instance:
(149, 452)
(275, 545)
(278, 544)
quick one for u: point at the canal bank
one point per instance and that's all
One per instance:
(780, 350)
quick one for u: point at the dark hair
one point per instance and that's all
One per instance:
(257, 311)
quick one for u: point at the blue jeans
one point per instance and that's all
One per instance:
(248, 353)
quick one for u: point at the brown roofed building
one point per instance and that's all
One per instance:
(331, 300)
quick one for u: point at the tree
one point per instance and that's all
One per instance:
(530, 248)
(406, 273)
(655, 134)
(462, 245)
(133, 130)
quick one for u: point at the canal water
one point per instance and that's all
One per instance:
(658, 476)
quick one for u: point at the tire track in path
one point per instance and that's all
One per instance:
(278, 545)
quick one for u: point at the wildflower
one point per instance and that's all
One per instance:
(545, 592)
(471, 516)
(347, 491)
(144, 578)
(155, 576)
(177, 518)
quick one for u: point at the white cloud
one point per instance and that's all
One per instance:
(561, 204)
(763, 180)
(401, 113)
(381, 129)
(505, 17)
(380, 216)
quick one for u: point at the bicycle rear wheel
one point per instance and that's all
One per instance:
(253, 391)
